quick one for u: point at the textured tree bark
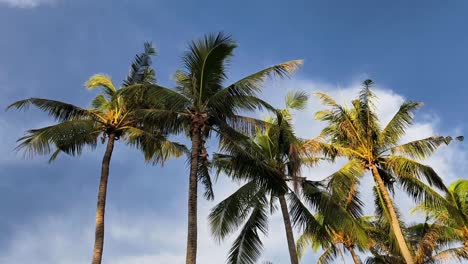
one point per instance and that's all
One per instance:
(354, 255)
(101, 202)
(289, 231)
(405, 252)
(191, 257)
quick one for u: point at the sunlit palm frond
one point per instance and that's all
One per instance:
(342, 186)
(103, 81)
(404, 167)
(420, 149)
(458, 253)
(343, 124)
(396, 128)
(296, 100)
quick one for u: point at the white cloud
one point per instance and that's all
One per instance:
(26, 3)
(67, 238)
(153, 237)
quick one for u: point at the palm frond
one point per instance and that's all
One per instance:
(344, 125)
(404, 167)
(419, 149)
(140, 69)
(329, 255)
(245, 125)
(205, 178)
(296, 100)
(458, 253)
(342, 186)
(103, 81)
(302, 218)
(420, 191)
(206, 61)
(250, 85)
(229, 214)
(154, 145)
(395, 129)
(69, 137)
(247, 247)
(101, 103)
(58, 110)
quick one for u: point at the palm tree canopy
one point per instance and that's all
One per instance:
(110, 113)
(265, 162)
(453, 212)
(201, 87)
(203, 100)
(356, 133)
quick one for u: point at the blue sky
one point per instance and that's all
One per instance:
(411, 49)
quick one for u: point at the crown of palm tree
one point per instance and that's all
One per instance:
(110, 113)
(201, 98)
(355, 133)
(266, 162)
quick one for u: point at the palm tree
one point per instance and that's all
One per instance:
(112, 117)
(267, 162)
(355, 133)
(334, 237)
(335, 242)
(431, 243)
(454, 212)
(202, 105)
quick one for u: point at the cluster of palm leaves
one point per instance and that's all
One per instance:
(266, 158)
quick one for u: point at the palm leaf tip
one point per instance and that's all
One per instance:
(289, 67)
(101, 80)
(296, 100)
(149, 48)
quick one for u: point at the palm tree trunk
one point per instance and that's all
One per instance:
(191, 257)
(354, 255)
(101, 202)
(289, 231)
(393, 217)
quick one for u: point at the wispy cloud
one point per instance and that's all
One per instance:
(26, 3)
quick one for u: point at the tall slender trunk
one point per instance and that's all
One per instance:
(393, 217)
(353, 254)
(101, 202)
(289, 231)
(191, 257)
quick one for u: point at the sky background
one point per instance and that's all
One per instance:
(412, 49)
